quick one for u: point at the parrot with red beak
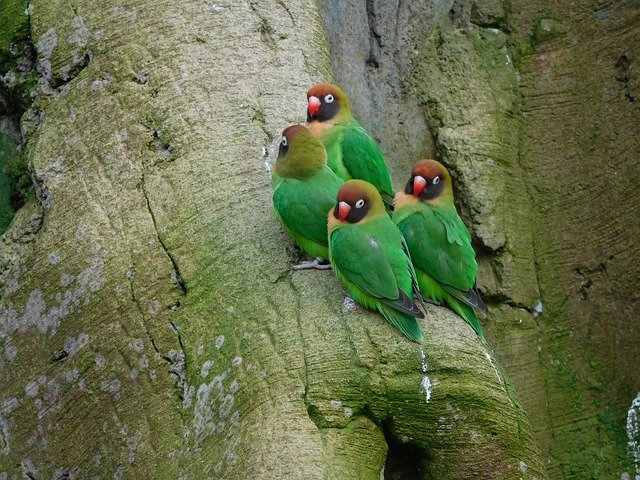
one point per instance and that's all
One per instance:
(304, 190)
(438, 241)
(351, 152)
(368, 255)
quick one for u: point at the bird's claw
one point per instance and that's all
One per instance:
(318, 264)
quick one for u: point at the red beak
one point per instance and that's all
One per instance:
(418, 185)
(343, 210)
(314, 106)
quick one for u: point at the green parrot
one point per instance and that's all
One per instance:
(304, 189)
(368, 255)
(351, 152)
(438, 241)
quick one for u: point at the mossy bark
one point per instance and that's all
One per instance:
(16, 79)
(584, 173)
(7, 145)
(151, 324)
(533, 106)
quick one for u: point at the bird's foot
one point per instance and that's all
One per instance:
(318, 264)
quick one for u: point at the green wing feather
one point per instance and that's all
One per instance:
(440, 244)
(457, 234)
(435, 290)
(352, 153)
(363, 259)
(412, 270)
(440, 247)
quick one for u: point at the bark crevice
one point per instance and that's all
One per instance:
(176, 270)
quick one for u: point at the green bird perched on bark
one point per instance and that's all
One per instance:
(368, 255)
(351, 152)
(304, 190)
(438, 241)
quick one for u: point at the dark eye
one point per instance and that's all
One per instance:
(436, 180)
(284, 141)
(328, 98)
(359, 203)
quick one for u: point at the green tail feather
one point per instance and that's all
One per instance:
(467, 313)
(407, 324)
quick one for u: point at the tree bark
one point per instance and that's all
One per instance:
(533, 106)
(151, 324)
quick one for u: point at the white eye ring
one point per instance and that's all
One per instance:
(359, 203)
(436, 180)
(284, 141)
(328, 98)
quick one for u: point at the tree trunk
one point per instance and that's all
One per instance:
(533, 106)
(152, 326)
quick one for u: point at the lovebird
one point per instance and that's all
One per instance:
(439, 242)
(304, 189)
(351, 152)
(368, 256)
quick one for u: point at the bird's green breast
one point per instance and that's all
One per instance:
(302, 206)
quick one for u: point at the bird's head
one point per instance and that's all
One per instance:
(326, 102)
(357, 202)
(430, 181)
(300, 153)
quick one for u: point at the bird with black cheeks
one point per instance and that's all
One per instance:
(351, 152)
(439, 242)
(368, 255)
(304, 190)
